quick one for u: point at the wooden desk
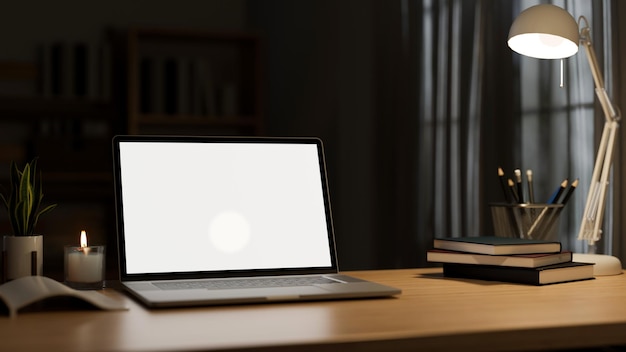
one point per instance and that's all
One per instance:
(433, 313)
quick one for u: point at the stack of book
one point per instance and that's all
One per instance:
(533, 262)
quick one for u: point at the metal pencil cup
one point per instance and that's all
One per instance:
(530, 221)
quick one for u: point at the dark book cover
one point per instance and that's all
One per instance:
(550, 274)
(497, 245)
(63, 70)
(56, 69)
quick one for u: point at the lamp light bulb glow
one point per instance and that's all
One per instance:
(543, 46)
(544, 32)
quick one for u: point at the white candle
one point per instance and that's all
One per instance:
(85, 266)
(85, 263)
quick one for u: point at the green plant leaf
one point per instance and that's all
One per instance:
(24, 199)
(18, 218)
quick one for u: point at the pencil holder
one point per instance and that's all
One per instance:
(530, 221)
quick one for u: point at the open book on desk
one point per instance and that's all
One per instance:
(26, 291)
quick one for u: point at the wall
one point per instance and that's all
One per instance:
(24, 27)
(319, 83)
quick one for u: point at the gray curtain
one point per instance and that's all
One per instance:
(464, 104)
(561, 125)
(420, 101)
(616, 11)
(452, 119)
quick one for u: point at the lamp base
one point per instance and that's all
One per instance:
(604, 265)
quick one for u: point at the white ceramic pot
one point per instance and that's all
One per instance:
(19, 258)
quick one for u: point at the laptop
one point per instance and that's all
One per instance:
(227, 220)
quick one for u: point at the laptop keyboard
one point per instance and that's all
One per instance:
(245, 283)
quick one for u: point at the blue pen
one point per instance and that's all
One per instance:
(555, 196)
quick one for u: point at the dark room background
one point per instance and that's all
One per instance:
(418, 103)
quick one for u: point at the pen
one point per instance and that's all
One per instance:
(570, 191)
(547, 225)
(503, 185)
(520, 192)
(557, 193)
(513, 192)
(531, 192)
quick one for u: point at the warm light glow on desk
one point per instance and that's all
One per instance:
(550, 32)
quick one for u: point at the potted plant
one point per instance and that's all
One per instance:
(23, 250)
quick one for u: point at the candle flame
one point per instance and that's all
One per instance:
(83, 239)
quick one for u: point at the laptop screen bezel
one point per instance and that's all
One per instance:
(123, 272)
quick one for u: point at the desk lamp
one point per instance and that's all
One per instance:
(549, 32)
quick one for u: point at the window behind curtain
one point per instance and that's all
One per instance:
(558, 123)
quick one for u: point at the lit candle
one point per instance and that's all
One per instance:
(85, 264)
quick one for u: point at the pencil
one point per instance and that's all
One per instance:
(555, 196)
(507, 197)
(570, 191)
(512, 189)
(520, 192)
(531, 191)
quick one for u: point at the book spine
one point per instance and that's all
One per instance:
(146, 85)
(492, 273)
(171, 86)
(81, 70)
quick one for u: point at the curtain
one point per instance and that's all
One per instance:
(451, 118)
(557, 123)
(616, 11)
(420, 101)
(465, 104)
(561, 120)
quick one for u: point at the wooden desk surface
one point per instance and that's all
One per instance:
(433, 313)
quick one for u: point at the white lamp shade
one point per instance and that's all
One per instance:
(544, 32)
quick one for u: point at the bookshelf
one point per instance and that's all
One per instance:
(186, 81)
(62, 111)
(65, 105)
(69, 131)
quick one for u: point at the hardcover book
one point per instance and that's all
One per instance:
(497, 245)
(516, 260)
(551, 274)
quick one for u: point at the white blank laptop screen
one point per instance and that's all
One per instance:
(191, 207)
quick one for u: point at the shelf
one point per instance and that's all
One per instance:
(61, 186)
(36, 108)
(178, 120)
(181, 33)
(16, 70)
(181, 78)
